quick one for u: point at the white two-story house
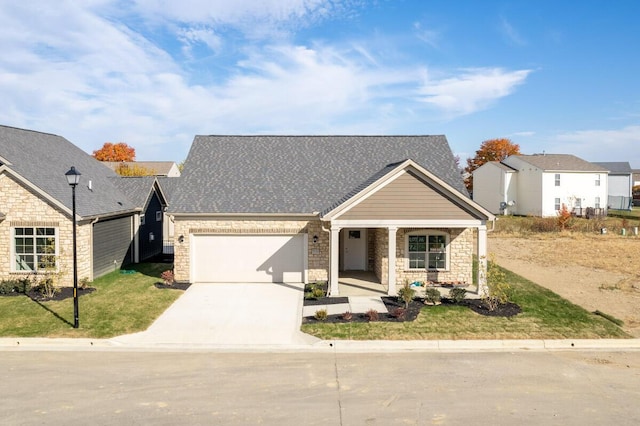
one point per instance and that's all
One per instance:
(539, 184)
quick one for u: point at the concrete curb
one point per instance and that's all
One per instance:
(338, 346)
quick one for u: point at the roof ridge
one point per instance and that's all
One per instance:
(29, 130)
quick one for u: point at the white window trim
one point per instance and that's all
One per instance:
(428, 232)
(557, 179)
(558, 204)
(56, 236)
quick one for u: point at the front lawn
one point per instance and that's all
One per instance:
(121, 304)
(545, 315)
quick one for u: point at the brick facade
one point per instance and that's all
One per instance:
(23, 208)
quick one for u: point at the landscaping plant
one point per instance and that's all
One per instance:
(432, 296)
(406, 293)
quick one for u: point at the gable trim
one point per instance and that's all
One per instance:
(409, 166)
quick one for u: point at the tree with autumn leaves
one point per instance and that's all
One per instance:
(490, 150)
(115, 152)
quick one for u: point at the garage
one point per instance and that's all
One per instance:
(248, 258)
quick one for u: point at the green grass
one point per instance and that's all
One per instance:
(121, 304)
(545, 315)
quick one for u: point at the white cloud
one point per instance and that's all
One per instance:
(511, 34)
(600, 145)
(472, 90)
(428, 36)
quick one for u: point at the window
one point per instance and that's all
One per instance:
(557, 205)
(35, 249)
(557, 179)
(578, 203)
(158, 216)
(427, 251)
(597, 180)
(597, 203)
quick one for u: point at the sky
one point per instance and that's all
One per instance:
(553, 76)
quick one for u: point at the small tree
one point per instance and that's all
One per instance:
(499, 289)
(564, 217)
(132, 169)
(406, 294)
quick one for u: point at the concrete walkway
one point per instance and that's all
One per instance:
(251, 314)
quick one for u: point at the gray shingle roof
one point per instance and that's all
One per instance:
(297, 174)
(169, 186)
(137, 188)
(560, 163)
(43, 159)
(616, 167)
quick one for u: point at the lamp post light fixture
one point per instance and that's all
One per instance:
(73, 178)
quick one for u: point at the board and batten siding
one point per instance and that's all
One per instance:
(112, 245)
(407, 198)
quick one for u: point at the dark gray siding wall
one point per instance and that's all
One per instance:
(149, 247)
(112, 245)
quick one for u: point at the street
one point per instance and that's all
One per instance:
(161, 388)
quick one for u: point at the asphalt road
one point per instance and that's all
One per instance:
(131, 388)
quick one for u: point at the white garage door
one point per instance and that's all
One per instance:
(248, 258)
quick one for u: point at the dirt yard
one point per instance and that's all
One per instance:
(597, 272)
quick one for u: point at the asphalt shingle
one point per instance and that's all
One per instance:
(297, 174)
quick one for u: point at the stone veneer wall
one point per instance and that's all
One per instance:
(25, 208)
(460, 260)
(318, 253)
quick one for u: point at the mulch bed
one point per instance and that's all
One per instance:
(325, 301)
(62, 294)
(393, 304)
(175, 286)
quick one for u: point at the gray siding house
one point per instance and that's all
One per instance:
(620, 193)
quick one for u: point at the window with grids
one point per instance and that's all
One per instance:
(556, 204)
(35, 249)
(597, 180)
(557, 179)
(427, 251)
(597, 203)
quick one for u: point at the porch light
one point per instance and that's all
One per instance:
(73, 176)
(315, 239)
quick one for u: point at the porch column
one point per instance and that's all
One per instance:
(392, 261)
(482, 261)
(334, 260)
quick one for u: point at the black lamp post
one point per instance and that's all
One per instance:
(73, 178)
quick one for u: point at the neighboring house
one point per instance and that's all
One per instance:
(154, 168)
(636, 177)
(306, 208)
(147, 195)
(538, 185)
(620, 195)
(169, 186)
(36, 209)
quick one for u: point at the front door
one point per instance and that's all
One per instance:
(355, 249)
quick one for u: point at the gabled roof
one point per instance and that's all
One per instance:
(169, 186)
(393, 171)
(157, 168)
(296, 174)
(139, 189)
(559, 163)
(42, 159)
(616, 167)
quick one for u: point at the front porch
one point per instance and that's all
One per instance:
(366, 284)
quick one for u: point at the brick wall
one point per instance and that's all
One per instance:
(25, 208)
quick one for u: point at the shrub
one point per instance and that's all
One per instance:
(457, 295)
(84, 282)
(314, 291)
(372, 315)
(167, 277)
(321, 315)
(398, 313)
(432, 296)
(9, 286)
(499, 290)
(406, 294)
(564, 218)
(347, 316)
(47, 287)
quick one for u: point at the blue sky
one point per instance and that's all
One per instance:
(554, 76)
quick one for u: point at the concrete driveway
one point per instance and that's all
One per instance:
(235, 314)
